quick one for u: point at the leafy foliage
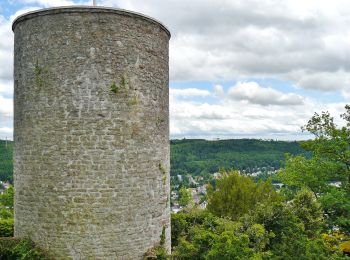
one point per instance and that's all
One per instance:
(330, 161)
(185, 197)
(247, 220)
(200, 157)
(300, 172)
(6, 199)
(6, 227)
(14, 248)
(157, 252)
(309, 211)
(331, 143)
(236, 195)
(198, 234)
(6, 164)
(6, 213)
(336, 205)
(345, 247)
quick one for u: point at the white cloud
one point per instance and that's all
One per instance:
(247, 116)
(52, 3)
(6, 56)
(6, 115)
(219, 91)
(228, 40)
(6, 130)
(323, 81)
(6, 107)
(189, 92)
(22, 11)
(255, 94)
(6, 133)
(6, 87)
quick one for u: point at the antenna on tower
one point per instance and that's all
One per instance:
(94, 2)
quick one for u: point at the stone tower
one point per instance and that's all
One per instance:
(91, 156)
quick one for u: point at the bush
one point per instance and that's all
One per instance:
(6, 244)
(345, 247)
(16, 248)
(6, 227)
(156, 253)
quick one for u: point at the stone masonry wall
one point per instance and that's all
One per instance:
(91, 156)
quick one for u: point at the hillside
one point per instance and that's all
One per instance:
(197, 156)
(6, 165)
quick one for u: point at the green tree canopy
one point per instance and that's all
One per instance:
(330, 161)
(235, 195)
(331, 143)
(6, 199)
(185, 197)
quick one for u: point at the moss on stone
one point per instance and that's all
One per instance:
(40, 74)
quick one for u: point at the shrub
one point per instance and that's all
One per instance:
(24, 249)
(6, 227)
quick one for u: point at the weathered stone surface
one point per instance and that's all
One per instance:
(91, 157)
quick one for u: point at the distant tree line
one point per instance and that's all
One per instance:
(6, 162)
(200, 157)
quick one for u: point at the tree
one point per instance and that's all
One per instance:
(229, 246)
(336, 205)
(6, 199)
(309, 211)
(313, 174)
(290, 230)
(184, 197)
(235, 195)
(6, 213)
(197, 234)
(331, 143)
(330, 160)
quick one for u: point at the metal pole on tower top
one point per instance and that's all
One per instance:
(94, 2)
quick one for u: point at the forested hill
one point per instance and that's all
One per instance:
(6, 166)
(197, 156)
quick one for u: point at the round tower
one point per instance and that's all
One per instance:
(91, 122)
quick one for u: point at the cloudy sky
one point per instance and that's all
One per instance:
(238, 68)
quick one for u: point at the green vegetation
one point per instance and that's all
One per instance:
(114, 88)
(6, 213)
(134, 101)
(185, 198)
(158, 252)
(201, 157)
(236, 225)
(10, 247)
(6, 162)
(330, 161)
(40, 75)
(6, 227)
(159, 121)
(163, 171)
(235, 195)
(24, 249)
(123, 84)
(307, 219)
